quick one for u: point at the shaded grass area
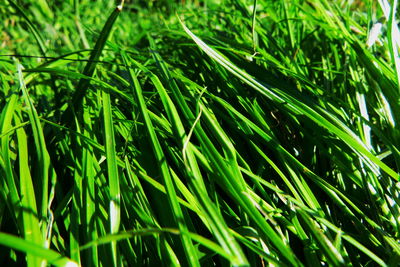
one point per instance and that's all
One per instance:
(199, 133)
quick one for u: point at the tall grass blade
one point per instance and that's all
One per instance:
(50, 256)
(47, 175)
(112, 170)
(29, 211)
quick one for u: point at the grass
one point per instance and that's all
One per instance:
(199, 133)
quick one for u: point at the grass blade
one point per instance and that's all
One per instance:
(50, 256)
(30, 215)
(112, 170)
(46, 172)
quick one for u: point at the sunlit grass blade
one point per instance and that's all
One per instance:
(13, 198)
(112, 170)
(50, 256)
(89, 189)
(46, 175)
(29, 211)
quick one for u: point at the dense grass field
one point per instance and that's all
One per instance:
(199, 133)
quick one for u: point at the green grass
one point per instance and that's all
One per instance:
(199, 133)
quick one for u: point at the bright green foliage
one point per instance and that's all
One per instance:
(199, 133)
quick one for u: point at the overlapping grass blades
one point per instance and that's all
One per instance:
(163, 165)
(36, 250)
(324, 120)
(255, 133)
(91, 64)
(217, 225)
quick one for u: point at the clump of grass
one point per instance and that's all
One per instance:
(240, 133)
